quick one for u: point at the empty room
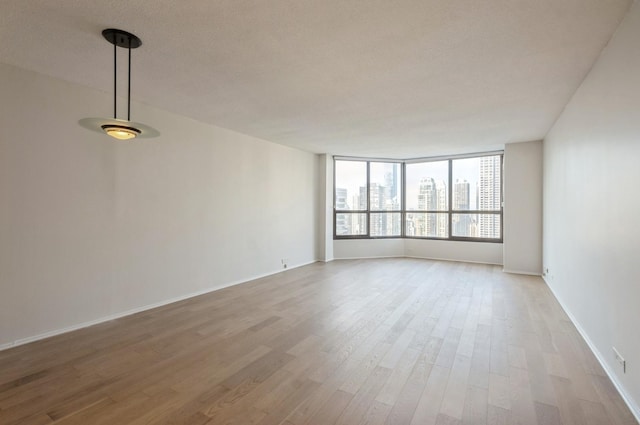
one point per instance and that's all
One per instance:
(305, 212)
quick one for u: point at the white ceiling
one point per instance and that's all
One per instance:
(378, 78)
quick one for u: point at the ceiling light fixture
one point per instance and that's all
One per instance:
(128, 41)
(119, 128)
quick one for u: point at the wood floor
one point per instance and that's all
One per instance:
(394, 341)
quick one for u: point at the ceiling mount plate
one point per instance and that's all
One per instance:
(121, 38)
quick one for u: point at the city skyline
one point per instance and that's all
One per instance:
(476, 186)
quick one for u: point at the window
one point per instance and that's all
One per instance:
(458, 198)
(368, 199)
(477, 197)
(350, 201)
(427, 199)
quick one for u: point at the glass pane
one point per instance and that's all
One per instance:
(351, 185)
(428, 225)
(476, 225)
(385, 224)
(351, 224)
(427, 186)
(385, 187)
(476, 183)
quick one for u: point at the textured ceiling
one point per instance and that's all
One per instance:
(372, 78)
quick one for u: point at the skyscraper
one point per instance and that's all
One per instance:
(343, 221)
(377, 201)
(490, 196)
(391, 182)
(432, 196)
(461, 222)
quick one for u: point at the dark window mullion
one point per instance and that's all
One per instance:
(450, 201)
(501, 197)
(368, 199)
(335, 211)
(477, 212)
(403, 195)
(351, 211)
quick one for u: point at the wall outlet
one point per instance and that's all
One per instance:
(284, 262)
(620, 360)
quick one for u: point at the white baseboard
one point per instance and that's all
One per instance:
(417, 258)
(522, 272)
(114, 316)
(327, 260)
(631, 403)
(452, 260)
(369, 258)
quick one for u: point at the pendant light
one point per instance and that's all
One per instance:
(127, 41)
(119, 128)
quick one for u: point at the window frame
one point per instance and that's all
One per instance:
(368, 211)
(478, 212)
(450, 211)
(445, 211)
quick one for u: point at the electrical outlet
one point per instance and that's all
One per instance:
(284, 262)
(620, 360)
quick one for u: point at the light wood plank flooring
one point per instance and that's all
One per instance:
(393, 341)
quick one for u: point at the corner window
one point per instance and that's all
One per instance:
(457, 198)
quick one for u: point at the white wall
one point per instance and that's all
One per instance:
(92, 227)
(592, 206)
(368, 248)
(472, 252)
(325, 223)
(523, 208)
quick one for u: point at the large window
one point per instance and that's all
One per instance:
(351, 208)
(458, 198)
(368, 199)
(427, 199)
(477, 197)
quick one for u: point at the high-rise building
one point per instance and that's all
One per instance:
(391, 182)
(490, 196)
(359, 221)
(393, 195)
(341, 199)
(461, 223)
(377, 201)
(410, 225)
(432, 195)
(442, 220)
(343, 222)
(461, 195)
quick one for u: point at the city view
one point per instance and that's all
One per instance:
(472, 212)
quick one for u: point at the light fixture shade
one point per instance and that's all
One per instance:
(120, 132)
(100, 125)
